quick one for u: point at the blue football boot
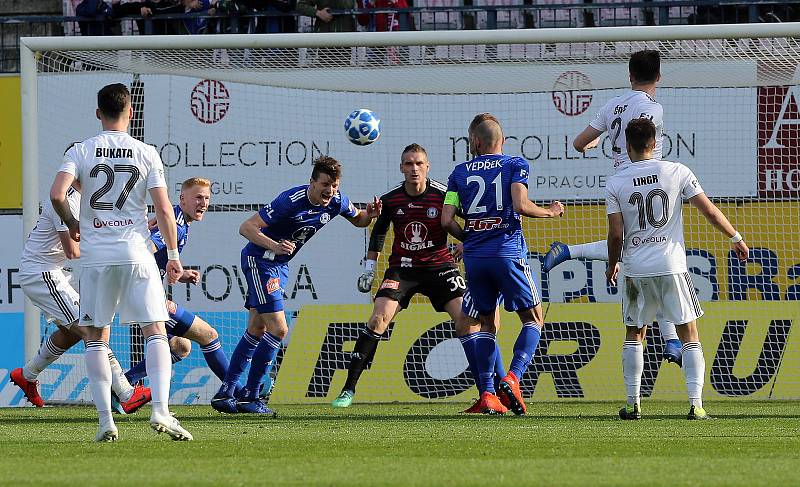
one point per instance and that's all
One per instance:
(224, 404)
(558, 253)
(672, 352)
(254, 406)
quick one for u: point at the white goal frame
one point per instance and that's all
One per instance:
(31, 46)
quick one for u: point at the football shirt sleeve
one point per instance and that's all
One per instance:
(276, 210)
(378, 235)
(68, 164)
(690, 186)
(155, 179)
(612, 202)
(451, 196)
(520, 172)
(348, 209)
(599, 121)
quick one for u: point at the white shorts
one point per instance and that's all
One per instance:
(672, 295)
(135, 290)
(52, 293)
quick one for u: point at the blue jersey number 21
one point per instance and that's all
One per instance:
(498, 194)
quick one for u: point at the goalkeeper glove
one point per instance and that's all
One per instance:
(365, 280)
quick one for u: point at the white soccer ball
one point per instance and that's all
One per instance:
(362, 127)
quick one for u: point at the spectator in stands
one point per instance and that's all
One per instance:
(264, 22)
(98, 14)
(384, 22)
(152, 9)
(324, 20)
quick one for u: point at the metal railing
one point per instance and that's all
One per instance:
(564, 15)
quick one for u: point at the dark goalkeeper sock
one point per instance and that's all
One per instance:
(363, 353)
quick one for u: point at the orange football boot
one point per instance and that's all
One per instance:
(29, 387)
(510, 387)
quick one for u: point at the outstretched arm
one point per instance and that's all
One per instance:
(364, 217)
(588, 139)
(718, 219)
(450, 224)
(526, 207)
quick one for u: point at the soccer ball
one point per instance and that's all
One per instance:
(362, 127)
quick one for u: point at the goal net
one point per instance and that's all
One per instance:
(251, 113)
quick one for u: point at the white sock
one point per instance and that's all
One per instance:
(159, 371)
(99, 371)
(632, 368)
(47, 354)
(694, 370)
(667, 330)
(119, 383)
(592, 251)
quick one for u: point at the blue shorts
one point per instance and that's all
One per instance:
(491, 278)
(265, 283)
(180, 320)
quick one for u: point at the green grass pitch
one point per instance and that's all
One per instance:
(575, 443)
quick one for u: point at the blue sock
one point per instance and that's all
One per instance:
(242, 355)
(468, 343)
(264, 355)
(485, 355)
(218, 362)
(524, 348)
(139, 371)
(136, 373)
(215, 358)
(499, 368)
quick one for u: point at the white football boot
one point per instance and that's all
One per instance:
(170, 426)
(106, 434)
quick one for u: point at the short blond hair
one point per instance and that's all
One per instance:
(192, 182)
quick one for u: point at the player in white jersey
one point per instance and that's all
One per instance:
(116, 172)
(644, 69)
(644, 206)
(44, 281)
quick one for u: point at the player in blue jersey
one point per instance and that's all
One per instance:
(492, 192)
(183, 325)
(275, 234)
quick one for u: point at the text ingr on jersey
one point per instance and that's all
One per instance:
(645, 180)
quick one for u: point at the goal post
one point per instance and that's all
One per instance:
(250, 112)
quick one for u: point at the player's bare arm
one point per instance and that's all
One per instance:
(526, 207)
(251, 230)
(58, 196)
(71, 247)
(190, 276)
(364, 217)
(588, 139)
(615, 230)
(449, 222)
(718, 219)
(169, 232)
